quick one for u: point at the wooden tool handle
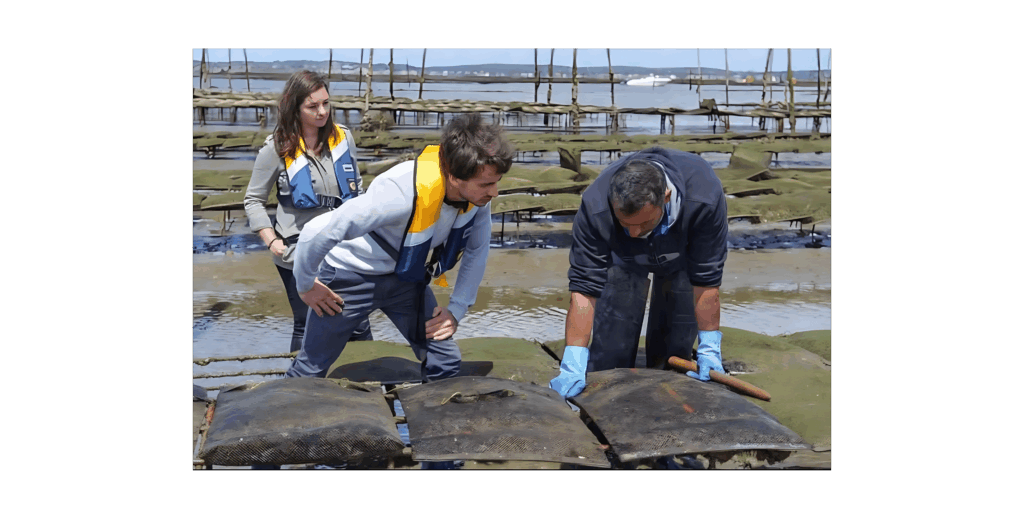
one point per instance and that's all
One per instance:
(735, 383)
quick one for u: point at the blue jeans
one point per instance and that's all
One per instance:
(299, 309)
(619, 317)
(326, 336)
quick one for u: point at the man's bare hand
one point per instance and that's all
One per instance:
(442, 326)
(322, 299)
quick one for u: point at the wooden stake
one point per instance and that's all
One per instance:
(789, 79)
(575, 91)
(727, 87)
(229, 70)
(700, 77)
(360, 90)
(391, 74)
(246, 56)
(202, 67)
(330, 63)
(423, 70)
(536, 76)
(817, 104)
(551, 74)
(611, 75)
(765, 79)
(369, 85)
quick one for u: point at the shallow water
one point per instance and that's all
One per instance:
(536, 313)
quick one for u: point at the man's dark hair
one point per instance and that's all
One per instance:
(467, 143)
(637, 184)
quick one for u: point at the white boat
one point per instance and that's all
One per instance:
(649, 81)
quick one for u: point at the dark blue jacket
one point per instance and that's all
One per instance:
(694, 243)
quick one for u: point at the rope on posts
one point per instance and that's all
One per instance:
(242, 373)
(241, 358)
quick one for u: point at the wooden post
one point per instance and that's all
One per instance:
(202, 68)
(611, 75)
(700, 77)
(817, 103)
(765, 79)
(423, 70)
(229, 70)
(575, 91)
(391, 74)
(789, 79)
(369, 85)
(828, 79)
(727, 87)
(360, 90)
(551, 74)
(246, 56)
(536, 76)
(330, 63)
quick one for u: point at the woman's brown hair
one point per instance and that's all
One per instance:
(289, 125)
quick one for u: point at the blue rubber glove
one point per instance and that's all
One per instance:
(573, 378)
(709, 354)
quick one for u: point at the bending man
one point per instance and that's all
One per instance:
(379, 250)
(657, 211)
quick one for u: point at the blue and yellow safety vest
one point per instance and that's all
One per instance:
(346, 171)
(411, 264)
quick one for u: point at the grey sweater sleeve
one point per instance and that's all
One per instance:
(264, 176)
(473, 263)
(384, 205)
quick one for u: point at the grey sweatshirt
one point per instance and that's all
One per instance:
(339, 237)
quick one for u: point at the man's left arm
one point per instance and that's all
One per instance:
(471, 272)
(706, 253)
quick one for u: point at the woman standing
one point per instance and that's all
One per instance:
(312, 161)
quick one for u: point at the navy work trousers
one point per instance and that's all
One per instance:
(326, 336)
(299, 310)
(619, 317)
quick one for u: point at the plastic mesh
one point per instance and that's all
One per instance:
(301, 420)
(494, 419)
(647, 413)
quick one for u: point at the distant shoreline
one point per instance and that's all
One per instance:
(278, 69)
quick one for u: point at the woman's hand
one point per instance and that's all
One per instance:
(277, 247)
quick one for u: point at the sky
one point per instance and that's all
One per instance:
(739, 59)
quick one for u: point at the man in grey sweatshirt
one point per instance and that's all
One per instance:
(380, 249)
